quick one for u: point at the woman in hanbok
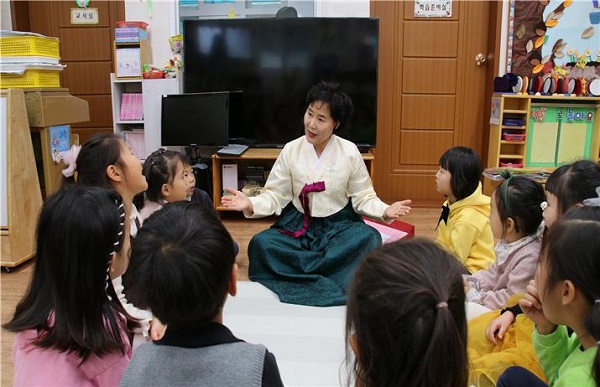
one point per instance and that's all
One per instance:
(320, 188)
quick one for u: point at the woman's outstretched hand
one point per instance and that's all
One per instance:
(397, 210)
(237, 200)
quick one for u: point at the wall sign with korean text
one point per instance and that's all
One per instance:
(84, 16)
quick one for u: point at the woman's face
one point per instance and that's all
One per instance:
(135, 181)
(177, 189)
(318, 124)
(550, 213)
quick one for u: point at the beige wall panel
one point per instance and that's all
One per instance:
(418, 147)
(442, 38)
(92, 44)
(429, 76)
(87, 77)
(428, 112)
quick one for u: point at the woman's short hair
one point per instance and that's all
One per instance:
(340, 104)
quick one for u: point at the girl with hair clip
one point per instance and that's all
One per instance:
(498, 339)
(516, 221)
(71, 328)
(107, 161)
(167, 181)
(567, 187)
(405, 318)
(565, 294)
(464, 225)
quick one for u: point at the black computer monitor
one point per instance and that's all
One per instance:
(201, 119)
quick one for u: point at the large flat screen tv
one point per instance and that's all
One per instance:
(274, 62)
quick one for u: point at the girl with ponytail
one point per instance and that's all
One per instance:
(405, 320)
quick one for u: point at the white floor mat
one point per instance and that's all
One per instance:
(308, 342)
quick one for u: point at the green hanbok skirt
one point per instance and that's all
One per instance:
(317, 267)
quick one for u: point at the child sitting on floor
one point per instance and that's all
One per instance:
(184, 262)
(464, 225)
(71, 328)
(565, 295)
(405, 318)
(516, 223)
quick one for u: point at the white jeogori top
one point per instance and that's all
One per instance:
(340, 166)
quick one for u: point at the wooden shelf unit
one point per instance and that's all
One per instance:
(256, 157)
(522, 106)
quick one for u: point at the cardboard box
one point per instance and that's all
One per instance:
(55, 107)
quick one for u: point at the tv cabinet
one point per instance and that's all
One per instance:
(256, 157)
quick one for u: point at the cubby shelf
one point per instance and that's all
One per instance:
(556, 129)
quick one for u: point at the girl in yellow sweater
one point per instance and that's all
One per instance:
(464, 225)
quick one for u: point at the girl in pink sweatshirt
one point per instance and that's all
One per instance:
(515, 218)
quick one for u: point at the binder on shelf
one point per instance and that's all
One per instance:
(131, 107)
(135, 139)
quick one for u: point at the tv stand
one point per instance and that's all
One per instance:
(364, 149)
(256, 157)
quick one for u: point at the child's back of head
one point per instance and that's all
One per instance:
(183, 260)
(406, 317)
(573, 183)
(519, 198)
(71, 300)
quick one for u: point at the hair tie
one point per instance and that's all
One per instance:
(442, 304)
(593, 202)
(70, 158)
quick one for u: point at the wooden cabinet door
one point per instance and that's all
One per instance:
(431, 93)
(86, 49)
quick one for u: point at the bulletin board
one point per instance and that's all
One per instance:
(558, 135)
(561, 33)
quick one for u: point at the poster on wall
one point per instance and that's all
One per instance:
(554, 37)
(433, 8)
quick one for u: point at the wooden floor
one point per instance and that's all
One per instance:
(14, 284)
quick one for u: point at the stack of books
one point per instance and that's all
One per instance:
(135, 139)
(131, 107)
(130, 34)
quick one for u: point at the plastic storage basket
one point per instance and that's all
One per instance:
(29, 46)
(30, 78)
